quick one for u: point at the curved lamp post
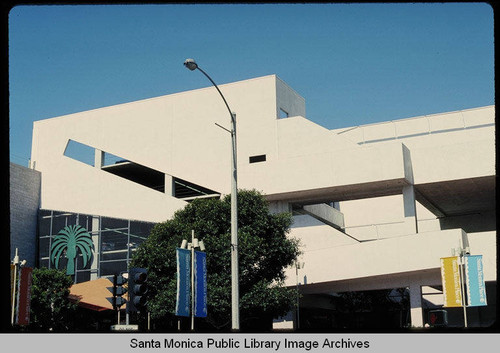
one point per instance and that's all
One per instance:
(235, 297)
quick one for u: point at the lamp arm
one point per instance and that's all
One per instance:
(218, 90)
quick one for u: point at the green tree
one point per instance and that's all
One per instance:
(264, 252)
(51, 310)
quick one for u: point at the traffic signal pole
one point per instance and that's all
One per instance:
(117, 291)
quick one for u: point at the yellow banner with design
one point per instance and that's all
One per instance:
(450, 276)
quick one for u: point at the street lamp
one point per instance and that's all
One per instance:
(235, 297)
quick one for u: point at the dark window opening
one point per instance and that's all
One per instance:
(256, 159)
(138, 173)
(186, 190)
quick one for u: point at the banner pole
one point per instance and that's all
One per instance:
(192, 280)
(15, 262)
(462, 264)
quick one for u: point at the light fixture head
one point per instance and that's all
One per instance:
(191, 64)
(184, 244)
(202, 246)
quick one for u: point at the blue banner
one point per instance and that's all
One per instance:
(476, 289)
(200, 278)
(183, 303)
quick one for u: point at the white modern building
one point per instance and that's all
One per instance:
(374, 206)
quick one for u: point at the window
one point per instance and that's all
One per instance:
(110, 159)
(256, 159)
(137, 173)
(186, 190)
(80, 152)
(283, 114)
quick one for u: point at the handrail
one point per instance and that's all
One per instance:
(430, 130)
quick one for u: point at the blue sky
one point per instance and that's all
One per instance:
(353, 63)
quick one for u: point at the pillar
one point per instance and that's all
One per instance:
(98, 158)
(169, 185)
(94, 267)
(416, 305)
(410, 209)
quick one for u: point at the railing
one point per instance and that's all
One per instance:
(375, 231)
(438, 123)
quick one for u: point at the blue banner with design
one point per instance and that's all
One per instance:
(476, 289)
(200, 280)
(183, 304)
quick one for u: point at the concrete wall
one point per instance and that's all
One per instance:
(457, 161)
(24, 203)
(454, 140)
(170, 134)
(177, 135)
(173, 135)
(370, 169)
(315, 235)
(289, 100)
(365, 219)
(327, 169)
(392, 256)
(440, 148)
(434, 129)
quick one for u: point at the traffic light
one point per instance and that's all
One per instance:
(438, 318)
(118, 291)
(138, 288)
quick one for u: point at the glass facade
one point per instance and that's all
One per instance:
(114, 241)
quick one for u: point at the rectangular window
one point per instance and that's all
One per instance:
(81, 152)
(256, 159)
(283, 114)
(113, 267)
(110, 159)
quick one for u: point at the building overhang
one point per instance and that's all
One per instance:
(458, 197)
(342, 192)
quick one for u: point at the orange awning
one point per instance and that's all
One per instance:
(92, 294)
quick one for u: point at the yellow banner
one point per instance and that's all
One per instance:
(450, 276)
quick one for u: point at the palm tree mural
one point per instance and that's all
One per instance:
(72, 239)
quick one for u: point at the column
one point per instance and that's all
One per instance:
(169, 185)
(416, 305)
(94, 267)
(410, 209)
(98, 158)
